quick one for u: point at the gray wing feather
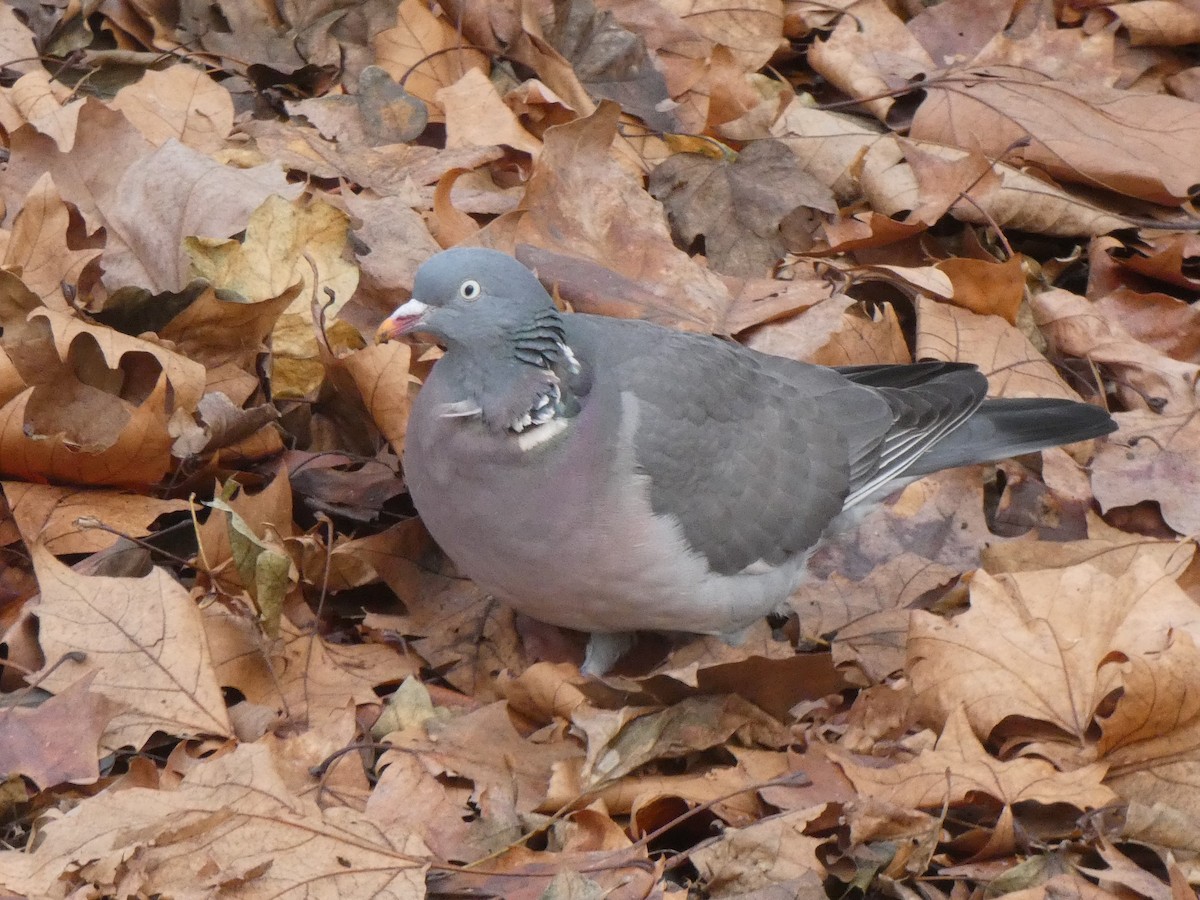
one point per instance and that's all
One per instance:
(737, 445)
(755, 455)
(928, 402)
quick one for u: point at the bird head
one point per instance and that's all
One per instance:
(469, 296)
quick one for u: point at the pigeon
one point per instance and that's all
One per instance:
(613, 476)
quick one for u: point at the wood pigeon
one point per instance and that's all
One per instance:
(612, 475)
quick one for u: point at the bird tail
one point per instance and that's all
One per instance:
(1009, 427)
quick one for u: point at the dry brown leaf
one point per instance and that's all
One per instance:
(382, 112)
(828, 145)
(40, 245)
(1142, 376)
(16, 41)
(1152, 457)
(1108, 549)
(522, 874)
(220, 425)
(759, 856)
(381, 377)
(866, 230)
(1036, 42)
(1023, 649)
(987, 288)
(1165, 257)
(869, 617)
(88, 175)
(1157, 23)
(868, 54)
(59, 740)
(97, 406)
(867, 337)
(226, 828)
(143, 639)
(959, 767)
(738, 205)
(425, 52)
(621, 741)
(64, 520)
(477, 117)
(814, 331)
(45, 104)
(1162, 322)
(287, 243)
(733, 792)
(172, 194)
(484, 746)
(452, 824)
(939, 518)
(1013, 365)
(269, 508)
(952, 31)
(319, 680)
(179, 102)
(218, 332)
(1157, 721)
(612, 62)
(1130, 143)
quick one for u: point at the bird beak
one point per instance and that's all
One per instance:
(404, 320)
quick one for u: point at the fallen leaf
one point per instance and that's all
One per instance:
(58, 741)
(66, 520)
(223, 828)
(737, 205)
(1023, 649)
(179, 102)
(1152, 457)
(141, 639)
(958, 770)
(424, 50)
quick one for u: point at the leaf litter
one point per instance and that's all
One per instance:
(232, 663)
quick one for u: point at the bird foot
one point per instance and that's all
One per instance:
(735, 638)
(603, 651)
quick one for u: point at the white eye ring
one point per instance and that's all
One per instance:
(470, 289)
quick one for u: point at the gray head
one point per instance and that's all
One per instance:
(473, 297)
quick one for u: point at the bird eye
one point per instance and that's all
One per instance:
(469, 290)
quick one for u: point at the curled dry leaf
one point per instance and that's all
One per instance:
(40, 245)
(96, 403)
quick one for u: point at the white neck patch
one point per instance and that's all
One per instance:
(534, 437)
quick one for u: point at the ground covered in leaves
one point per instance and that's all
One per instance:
(232, 663)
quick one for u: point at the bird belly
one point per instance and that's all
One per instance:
(608, 563)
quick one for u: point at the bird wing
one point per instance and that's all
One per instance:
(741, 458)
(755, 455)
